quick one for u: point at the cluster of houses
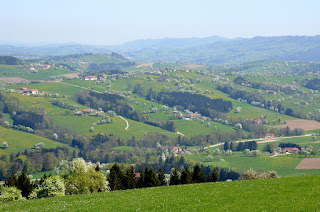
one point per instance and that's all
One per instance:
(26, 91)
(90, 112)
(39, 66)
(186, 116)
(256, 121)
(288, 86)
(271, 92)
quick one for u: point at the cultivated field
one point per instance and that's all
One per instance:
(12, 80)
(309, 163)
(194, 66)
(303, 124)
(71, 75)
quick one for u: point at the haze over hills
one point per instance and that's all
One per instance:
(213, 50)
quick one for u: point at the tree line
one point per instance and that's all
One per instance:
(9, 60)
(240, 146)
(118, 104)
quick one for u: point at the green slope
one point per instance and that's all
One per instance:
(284, 194)
(19, 141)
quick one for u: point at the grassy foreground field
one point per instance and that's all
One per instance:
(284, 194)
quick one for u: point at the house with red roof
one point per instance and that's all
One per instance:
(90, 77)
(270, 135)
(290, 149)
(288, 86)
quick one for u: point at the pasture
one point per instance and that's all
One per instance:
(284, 194)
(19, 141)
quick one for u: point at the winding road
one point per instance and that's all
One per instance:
(126, 122)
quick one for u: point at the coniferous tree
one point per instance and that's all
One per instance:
(161, 178)
(213, 176)
(151, 179)
(174, 177)
(198, 175)
(130, 179)
(141, 178)
(11, 181)
(24, 184)
(115, 177)
(186, 176)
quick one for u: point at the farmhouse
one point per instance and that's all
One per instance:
(288, 86)
(87, 111)
(271, 92)
(34, 91)
(270, 135)
(45, 66)
(256, 121)
(27, 91)
(189, 116)
(90, 78)
(290, 149)
(176, 149)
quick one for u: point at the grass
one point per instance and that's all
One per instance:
(305, 141)
(284, 194)
(285, 166)
(42, 74)
(192, 127)
(19, 141)
(136, 129)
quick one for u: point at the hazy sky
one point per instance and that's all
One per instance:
(118, 21)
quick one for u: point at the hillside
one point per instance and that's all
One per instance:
(284, 194)
(288, 48)
(211, 50)
(19, 141)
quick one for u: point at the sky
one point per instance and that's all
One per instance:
(112, 22)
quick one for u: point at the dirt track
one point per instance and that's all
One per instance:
(303, 124)
(309, 163)
(268, 141)
(71, 75)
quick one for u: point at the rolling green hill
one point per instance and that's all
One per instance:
(19, 141)
(284, 194)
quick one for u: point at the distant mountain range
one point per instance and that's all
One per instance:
(213, 50)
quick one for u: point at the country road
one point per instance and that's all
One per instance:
(260, 139)
(126, 122)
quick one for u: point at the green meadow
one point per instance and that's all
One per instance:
(284, 194)
(19, 141)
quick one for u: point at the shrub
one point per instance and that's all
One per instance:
(253, 175)
(89, 182)
(10, 194)
(52, 187)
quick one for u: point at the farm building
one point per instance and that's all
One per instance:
(270, 135)
(271, 92)
(176, 149)
(290, 149)
(256, 121)
(27, 91)
(288, 86)
(90, 78)
(189, 116)
(34, 91)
